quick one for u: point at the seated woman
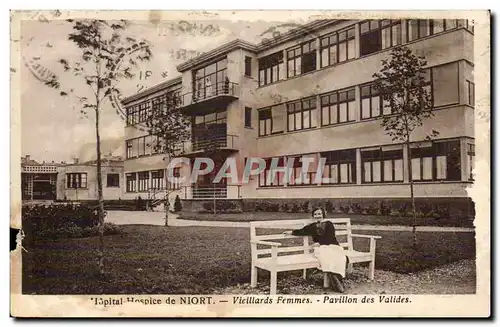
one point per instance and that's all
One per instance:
(330, 254)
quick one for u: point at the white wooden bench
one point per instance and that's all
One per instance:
(274, 257)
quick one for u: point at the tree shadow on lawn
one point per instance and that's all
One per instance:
(198, 260)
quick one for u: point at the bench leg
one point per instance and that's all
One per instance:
(350, 268)
(326, 281)
(253, 277)
(274, 281)
(304, 274)
(371, 269)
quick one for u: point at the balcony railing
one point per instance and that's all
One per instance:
(218, 94)
(228, 142)
(195, 192)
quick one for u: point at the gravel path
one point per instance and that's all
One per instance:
(455, 278)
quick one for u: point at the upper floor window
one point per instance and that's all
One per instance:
(271, 68)
(471, 154)
(142, 146)
(371, 102)
(301, 59)
(338, 107)
(338, 47)
(302, 114)
(271, 120)
(470, 93)
(112, 180)
(76, 180)
(248, 66)
(248, 117)
(132, 115)
(210, 80)
(419, 28)
(377, 35)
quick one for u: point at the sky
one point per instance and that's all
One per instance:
(52, 127)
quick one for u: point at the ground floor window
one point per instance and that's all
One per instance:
(273, 178)
(437, 160)
(131, 182)
(174, 184)
(382, 164)
(340, 167)
(471, 154)
(76, 180)
(143, 181)
(157, 177)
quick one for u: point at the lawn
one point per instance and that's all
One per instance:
(355, 219)
(187, 260)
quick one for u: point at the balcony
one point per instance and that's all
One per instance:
(214, 96)
(226, 143)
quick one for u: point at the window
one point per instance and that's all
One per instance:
(209, 129)
(277, 178)
(379, 34)
(419, 28)
(113, 180)
(302, 114)
(248, 117)
(131, 182)
(471, 154)
(248, 66)
(210, 80)
(272, 120)
(143, 181)
(132, 115)
(144, 111)
(76, 180)
(302, 59)
(142, 146)
(370, 102)
(340, 167)
(470, 93)
(382, 164)
(469, 25)
(175, 184)
(296, 176)
(157, 179)
(271, 68)
(338, 47)
(338, 107)
(445, 84)
(438, 160)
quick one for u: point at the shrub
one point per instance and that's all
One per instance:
(329, 207)
(344, 209)
(371, 210)
(385, 210)
(295, 208)
(273, 207)
(306, 207)
(78, 232)
(404, 210)
(177, 204)
(221, 206)
(284, 207)
(442, 211)
(356, 208)
(425, 210)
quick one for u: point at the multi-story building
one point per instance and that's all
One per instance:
(308, 93)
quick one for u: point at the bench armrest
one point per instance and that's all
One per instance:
(266, 243)
(366, 236)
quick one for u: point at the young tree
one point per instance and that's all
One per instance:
(170, 128)
(404, 85)
(106, 57)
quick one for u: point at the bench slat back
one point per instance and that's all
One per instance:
(343, 233)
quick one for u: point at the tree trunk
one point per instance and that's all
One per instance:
(100, 253)
(412, 195)
(166, 205)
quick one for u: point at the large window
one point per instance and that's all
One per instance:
(272, 120)
(132, 115)
(470, 93)
(338, 47)
(301, 59)
(382, 164)
(276, 178)
(419, 28)
(297, 177)
(302, 114)
(131, 182)
(174, 184)
(438, 160)
(209, 128)
(143, 181)
(445, 84)
(338, 107)
(376, 35)
(141, 146)
(471, 154)
(76, 180)
(371, 102)
(210, 80)
(340, 167)
(113, 180)
(248, 66)
(157, 177)
(271, 68)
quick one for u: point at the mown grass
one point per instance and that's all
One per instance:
(191, 260)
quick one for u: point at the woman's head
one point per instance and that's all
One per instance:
(318, 213)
